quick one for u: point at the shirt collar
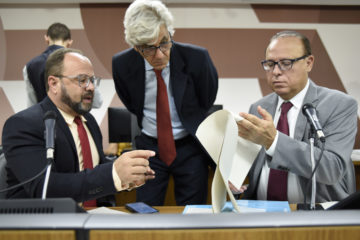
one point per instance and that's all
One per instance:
(69, 119)
(297, 100)
(148, 67)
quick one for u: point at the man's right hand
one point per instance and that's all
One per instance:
(234, 190)
(133, 167)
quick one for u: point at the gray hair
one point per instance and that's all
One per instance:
(143, 20)
(305, 41)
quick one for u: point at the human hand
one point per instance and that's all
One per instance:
(133, 167)
(234, 190)
(257, 130)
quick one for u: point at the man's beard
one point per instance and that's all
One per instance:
(76, 106)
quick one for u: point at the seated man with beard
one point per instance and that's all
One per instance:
(79, 170)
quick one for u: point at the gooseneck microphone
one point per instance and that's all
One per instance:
(310, 112)
(49, 121)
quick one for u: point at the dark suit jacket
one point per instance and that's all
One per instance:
(24, 147)
(36, 69)
(335, 176)
(193, 81)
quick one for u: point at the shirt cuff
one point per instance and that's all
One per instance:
(117, 181)
(271, 149)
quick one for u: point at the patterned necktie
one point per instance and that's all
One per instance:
(86, 153)
(166, 143)
(277, 184)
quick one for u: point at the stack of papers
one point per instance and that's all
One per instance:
(245, 206)
(233, 155)
(355, 155)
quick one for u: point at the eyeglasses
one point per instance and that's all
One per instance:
(283, 64)
(151, 51)
(83, 80)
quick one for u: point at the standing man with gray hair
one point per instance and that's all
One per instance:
(170, 87)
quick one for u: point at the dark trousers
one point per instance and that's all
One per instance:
(189, 170)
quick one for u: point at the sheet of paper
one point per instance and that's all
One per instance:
(233, 155)
(244, 157)
(196, 209)
(245, 206)
(105, 210)
(327, 205)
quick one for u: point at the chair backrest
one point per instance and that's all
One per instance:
(123, 125)
(215, 108)
(3, 175)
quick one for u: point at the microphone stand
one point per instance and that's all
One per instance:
(312, 205)
(49, 157)
(312, 158)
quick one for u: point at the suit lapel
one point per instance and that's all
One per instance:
(301, 123)
(62, 126)
(136, 81)
(270, 106)
(178, 79)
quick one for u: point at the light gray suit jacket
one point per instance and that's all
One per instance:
(335, 176)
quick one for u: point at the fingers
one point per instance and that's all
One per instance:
(133, 167)
(260, 130)
(248, 125)
(250, 119)
(149, 171)
(243, 188)
(264, 114)
(234, 190)
(138, 157)
(140, 154)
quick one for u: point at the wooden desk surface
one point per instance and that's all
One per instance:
(302, 225)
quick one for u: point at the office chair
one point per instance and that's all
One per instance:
(214, 108)
(3, 175)
(122, 126)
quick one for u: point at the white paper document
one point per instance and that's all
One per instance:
(245, 206)
(218, 133)
(105, 210)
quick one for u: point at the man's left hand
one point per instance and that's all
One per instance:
(257, 130)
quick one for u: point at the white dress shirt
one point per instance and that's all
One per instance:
(149, 119)
(295, 194)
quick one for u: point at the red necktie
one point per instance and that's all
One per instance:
(86, 153)
(277, 185)
(166, 143)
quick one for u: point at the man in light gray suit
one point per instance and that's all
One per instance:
(288, 62)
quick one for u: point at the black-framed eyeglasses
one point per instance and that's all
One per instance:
(83, 80)
(283, 64)
(151, 50)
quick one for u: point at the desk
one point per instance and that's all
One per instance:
(37, 234)
(295, 225)
(67, 226)
(310, 233)
(319, 225)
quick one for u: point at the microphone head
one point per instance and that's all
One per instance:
(50, 115)
(306, 106)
